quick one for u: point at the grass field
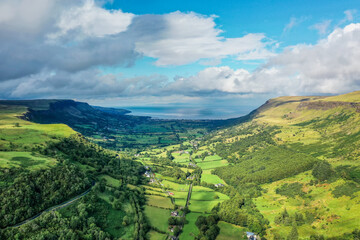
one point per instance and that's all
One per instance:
(111, 181)
(158, 201)
(203, 206)
(207, 177)
(229, 231)
(212, 164)
(190, 230)
(26, 160)
(153, 235)
(16, 133)
(175, 186)
(158, 217)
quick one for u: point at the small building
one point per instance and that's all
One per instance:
(192, 164)
(174, 213)
(219, 185)
(251, 236)
(171, 193)
(147, 174)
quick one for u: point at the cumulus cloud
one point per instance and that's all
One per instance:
(92, 21)
(189, 37)
(54, 49)
(73, 36)
(330, 66)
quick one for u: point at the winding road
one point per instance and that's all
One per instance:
(53, 208)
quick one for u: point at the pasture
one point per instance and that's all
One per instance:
(158, 217)
(159, 201)
(190, 230)
(25, 160)
(207, 177)
(230, 231)
(206, 165)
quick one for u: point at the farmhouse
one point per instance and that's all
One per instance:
(147, 174)
(174, 213)
(219, 185)
(192, 164)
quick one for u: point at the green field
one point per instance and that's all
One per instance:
(229, 231)
(111, 181)
(26, 160)
(175, 186)
(212, 164)
(207, 177)
(158, 201)
(190, 230)
(153, 235)
(158, 217)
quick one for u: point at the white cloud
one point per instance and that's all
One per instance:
(190, 37)
(322, 27)
(76, 36)
(330, 66)
(92, 21)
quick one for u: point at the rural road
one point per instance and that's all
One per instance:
(59, 206)
(189, 195)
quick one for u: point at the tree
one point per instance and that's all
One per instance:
(322, 170)
(169, 155)
(125, 221)
(117, 204)
(293, 235)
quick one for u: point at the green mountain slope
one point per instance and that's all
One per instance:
(43, 166)
(285, 149)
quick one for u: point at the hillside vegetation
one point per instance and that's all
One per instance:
(45, 165)
(303, 152)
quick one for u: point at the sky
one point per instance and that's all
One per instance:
(179, 53)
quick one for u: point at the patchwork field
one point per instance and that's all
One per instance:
(158, 217)
(212, 164)
(207, 177)
(158, 201)
(229, 231)
(190, 230)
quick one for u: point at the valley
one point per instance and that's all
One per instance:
(288, 170)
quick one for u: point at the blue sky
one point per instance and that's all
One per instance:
(189, 53)
(237, 18)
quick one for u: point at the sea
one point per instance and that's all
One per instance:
(188, 112)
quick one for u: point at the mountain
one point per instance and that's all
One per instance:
(303, 153)
(288, 170)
